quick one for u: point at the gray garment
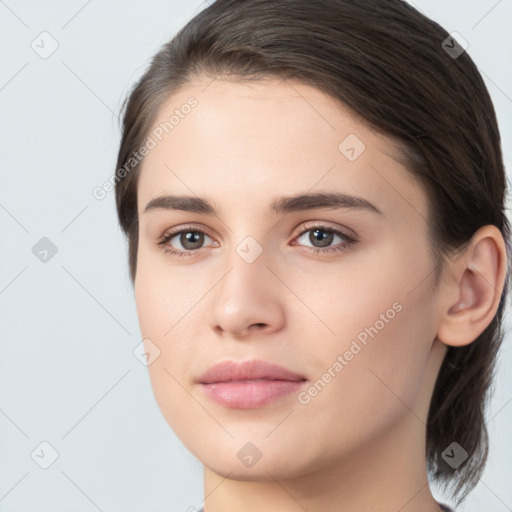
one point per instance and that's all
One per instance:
(445, 508)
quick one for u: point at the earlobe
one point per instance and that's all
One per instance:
(479, 280)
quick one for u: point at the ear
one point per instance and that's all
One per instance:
(472, 293)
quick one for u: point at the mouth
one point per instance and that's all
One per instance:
(249, 384)
(250, 394)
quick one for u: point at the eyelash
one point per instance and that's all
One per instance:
(349, 241)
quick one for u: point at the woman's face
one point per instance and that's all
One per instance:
(356, 320)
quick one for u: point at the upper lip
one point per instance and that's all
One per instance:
(226, 371)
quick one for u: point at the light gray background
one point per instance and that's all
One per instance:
(68, 326)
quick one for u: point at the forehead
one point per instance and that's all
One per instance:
(256, 138)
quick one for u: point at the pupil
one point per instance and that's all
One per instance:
(189, 238)
(325, 240)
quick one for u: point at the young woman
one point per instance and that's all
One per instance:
(313, 194)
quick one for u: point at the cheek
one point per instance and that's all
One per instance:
(378, 378)
(381, 316)
(159, 316)
(159, 295)
(165, 306)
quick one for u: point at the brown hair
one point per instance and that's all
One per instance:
(395, 69)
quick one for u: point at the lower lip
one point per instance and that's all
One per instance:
(250, 394)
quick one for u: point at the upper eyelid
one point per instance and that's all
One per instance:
(322, 225)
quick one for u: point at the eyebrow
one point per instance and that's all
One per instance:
(286, 204)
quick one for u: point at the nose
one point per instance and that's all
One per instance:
(248, 300)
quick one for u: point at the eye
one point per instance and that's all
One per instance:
(191, 240)
(322, 236)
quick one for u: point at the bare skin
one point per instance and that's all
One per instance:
(358, 443)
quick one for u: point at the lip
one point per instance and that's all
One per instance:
(248, 384)
(227, 371)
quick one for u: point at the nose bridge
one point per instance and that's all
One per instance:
(248, 243)
(246, 294)
(247, 269)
